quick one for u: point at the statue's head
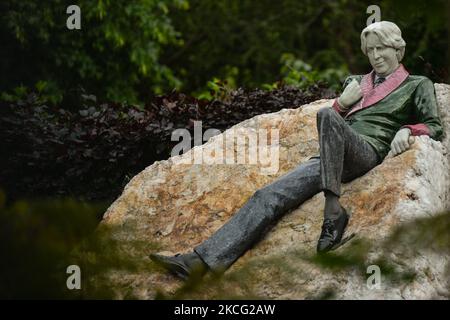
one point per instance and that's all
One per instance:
(383, 44)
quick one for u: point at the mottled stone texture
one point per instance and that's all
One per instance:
(176, 206)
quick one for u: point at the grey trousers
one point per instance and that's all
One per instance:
(344, 156)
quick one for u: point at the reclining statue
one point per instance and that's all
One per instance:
(377, 114)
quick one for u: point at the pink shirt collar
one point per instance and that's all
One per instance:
(372, 95)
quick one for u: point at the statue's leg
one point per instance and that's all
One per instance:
(266, 206)
(344, 155)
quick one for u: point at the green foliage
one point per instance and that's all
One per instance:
(252, 36)
(35, 243)
(298, 73)
(129, 50)
(46, 92)
(40, 239)
(220, 89)
(425, 28)
(115, 54)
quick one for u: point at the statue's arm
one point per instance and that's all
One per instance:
(426, 111)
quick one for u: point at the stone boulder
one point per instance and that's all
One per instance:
(173, 205)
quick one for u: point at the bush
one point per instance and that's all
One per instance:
(116, 53)
(36, 240)
(91, 153)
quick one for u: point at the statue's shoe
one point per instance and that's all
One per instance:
(181, 265)
(332, 232)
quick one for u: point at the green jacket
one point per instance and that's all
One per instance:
(411, 103)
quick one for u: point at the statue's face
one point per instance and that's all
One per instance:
(382, 58)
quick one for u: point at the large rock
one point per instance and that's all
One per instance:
(175, 206)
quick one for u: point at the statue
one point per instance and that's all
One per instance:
(377, 115)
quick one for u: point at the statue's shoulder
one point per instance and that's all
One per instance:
(420, 84)
(418, 79)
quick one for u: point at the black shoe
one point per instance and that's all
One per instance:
(181, 265)
(332, 232)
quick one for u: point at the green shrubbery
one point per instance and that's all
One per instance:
(131, 50)
(116, 52)
(36, 240)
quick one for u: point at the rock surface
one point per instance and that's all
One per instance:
(175, 206)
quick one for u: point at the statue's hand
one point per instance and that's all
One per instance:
(402, 142)
(352, 94)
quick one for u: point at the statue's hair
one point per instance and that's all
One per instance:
(389, 34)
